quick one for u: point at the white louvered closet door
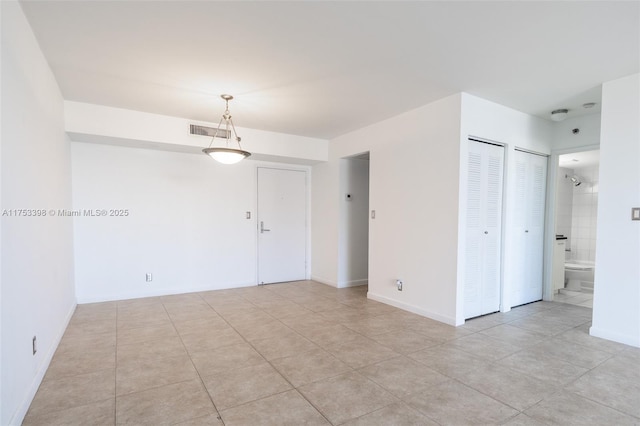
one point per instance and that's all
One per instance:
(484, 229)
(531, 183)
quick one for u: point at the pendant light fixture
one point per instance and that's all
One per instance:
(226, 154)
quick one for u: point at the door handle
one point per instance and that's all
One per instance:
(263, 229)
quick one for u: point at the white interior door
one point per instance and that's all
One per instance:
(282, 225)
(531, 182)
(484, 229)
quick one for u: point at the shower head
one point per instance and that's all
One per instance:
(575, 180)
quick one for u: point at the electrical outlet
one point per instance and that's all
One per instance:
(399, 284)
(149, 277)
(34, 345)
(248, 215)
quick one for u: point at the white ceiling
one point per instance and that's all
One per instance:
(322, 69)
(579, 160)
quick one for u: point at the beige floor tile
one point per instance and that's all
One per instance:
(573, 353)
(404, 341)
(508, 333)
(246, 315)
(283, 346)
(100, 341)
(548, 327)
(141, 375)
(566, 408)
(623, 365)
(150, 350)
(95, 312)
(361, 352)
(225, 359)
(435, 330)
(346, 397)
(398, 414)
(73, 391)
(164, 405)
(402, 376)
(142, 319)
(456, 404)
(482, 323)
(448, 360)
(582, 337)
(546, 368)
(344, 314)
(212, 339)
(88, 328)
(523, 420)
(236, 387)
(506, 385)
(84, 361)
(209, 420)
(621, 393)
(284, 409)
(98, 413)
(484, 347)
(374, 325)
(144, 334)
(309, 367)
(286, 310)
(262, 330)
(329, 334)
(200, 325)
(319, 304)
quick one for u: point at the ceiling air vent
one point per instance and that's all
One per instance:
(194, 129)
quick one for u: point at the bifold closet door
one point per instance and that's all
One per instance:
(531, 184)
(483, 229)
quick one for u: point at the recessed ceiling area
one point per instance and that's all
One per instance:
(579, 160)
(322, 69)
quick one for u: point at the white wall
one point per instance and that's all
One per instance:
(616, 302)
(494, 122)
(584, 215)
(37, 252)
(186, 222)
(414, 190)
(353, 240)
(116, 126)
(564, 140)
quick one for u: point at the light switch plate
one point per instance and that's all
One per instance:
(635, 213)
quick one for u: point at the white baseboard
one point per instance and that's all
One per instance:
(353, 283)
(18, 416)
(412, 308)
(154, 293)
(324, 281)
(616, 337)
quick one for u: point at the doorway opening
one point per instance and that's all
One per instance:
(576, 217)
(353, 236)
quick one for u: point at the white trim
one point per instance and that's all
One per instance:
(159, 292)
(324, 281)
(21, 412)
(353, 283)
(616, 337)
(412, 308)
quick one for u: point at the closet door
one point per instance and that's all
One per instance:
(484, 229)
(531, 182)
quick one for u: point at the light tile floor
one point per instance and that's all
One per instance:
(579, 298)
(305, 353)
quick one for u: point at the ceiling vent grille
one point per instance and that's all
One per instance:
(194, 129)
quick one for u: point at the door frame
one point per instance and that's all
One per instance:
(276, 166)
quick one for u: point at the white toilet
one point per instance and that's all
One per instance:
(578, 275)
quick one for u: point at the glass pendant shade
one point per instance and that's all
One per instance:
(226, 155)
